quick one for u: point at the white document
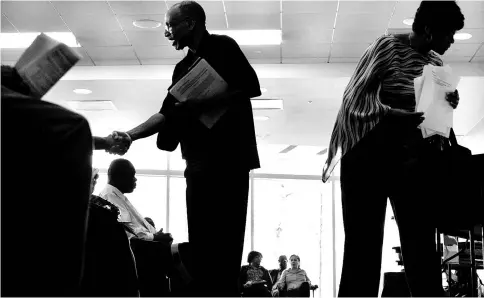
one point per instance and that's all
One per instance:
(430, 93)
(201, 82)
(44, 63)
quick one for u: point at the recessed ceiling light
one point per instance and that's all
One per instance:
(462, 36)
(146, 24)
(408, 22)
(263, 90)
(261, 118)
(82, 91)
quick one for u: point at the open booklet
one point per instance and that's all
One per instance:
(44, 63)
(199, 83)
(430, 93)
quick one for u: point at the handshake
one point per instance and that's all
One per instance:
(117, 143)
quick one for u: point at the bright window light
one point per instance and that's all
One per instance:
(24, 40)
(253, 37)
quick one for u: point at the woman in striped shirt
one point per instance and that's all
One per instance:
(377, 137)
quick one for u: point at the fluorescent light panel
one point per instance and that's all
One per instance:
(253, 37)
(91, 105)
(267, 104)
(24, 40)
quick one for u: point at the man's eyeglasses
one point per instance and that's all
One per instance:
(170, 26)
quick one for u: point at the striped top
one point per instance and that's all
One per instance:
(383, 79)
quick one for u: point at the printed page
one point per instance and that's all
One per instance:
(437, 82)
(44, 63)
(201, 82)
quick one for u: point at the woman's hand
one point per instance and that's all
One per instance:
(452, 98)
(248, 284)
(412, 119)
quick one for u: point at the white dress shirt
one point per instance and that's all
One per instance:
(128, 214)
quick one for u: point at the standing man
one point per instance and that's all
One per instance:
(218, 159)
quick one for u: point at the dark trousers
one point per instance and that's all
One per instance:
(377, 168)
(216, 211)
(302, 291)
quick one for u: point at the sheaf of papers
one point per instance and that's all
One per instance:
(430, 93)
(201, 82)
(44, 63)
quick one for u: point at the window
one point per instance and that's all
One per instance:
(149, 197)
(287, 221)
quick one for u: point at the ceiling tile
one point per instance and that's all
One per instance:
(252, 7)
(305, 50)
(87, 15)
(460, 59)
(473, 12)
(7, 27)
(367, 20)
(463, 49)
(157, 52)
(480, 53)
(216, 22)
(262, 52)
(33, 16)
(138, 7)
(348, 50)
(147, 38)
(361, 36)
(254, 21)
(209, 6)
(384, 8)
(159, 61)
(100, 38)
(304, 60)
(11, 54)
(343, 60)
(403, 10)
(126, 22)
(115, 62)
(264, 61)
(302, 23)
(111, 53)
(85, 60)
(324, 7)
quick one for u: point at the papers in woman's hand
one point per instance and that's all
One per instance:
(430, 92)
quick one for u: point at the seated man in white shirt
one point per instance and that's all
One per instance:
(122, 180)
(152, 249)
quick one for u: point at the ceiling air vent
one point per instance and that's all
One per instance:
(91, 105)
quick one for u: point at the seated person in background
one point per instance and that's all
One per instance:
(277, 273)
(150, 221)
(46, 166)
(121, 180)
(109, 268)
(254, 280)
(152, 249)
(295, 280)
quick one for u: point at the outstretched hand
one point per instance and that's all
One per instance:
(119, 143)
